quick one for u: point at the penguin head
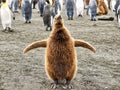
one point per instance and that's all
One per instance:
(58, 21)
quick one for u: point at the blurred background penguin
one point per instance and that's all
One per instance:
(48, 15)
(5, 16)
(102, 8)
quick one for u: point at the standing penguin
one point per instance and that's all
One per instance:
(5, 16)
(58, 4)
(70, 8)
(14, 6)
(41, 4)
(61, 59)
(79, 7)
(93, 9)
(48, 15)
(27, 10)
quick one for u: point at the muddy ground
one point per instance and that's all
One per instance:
(99, 71)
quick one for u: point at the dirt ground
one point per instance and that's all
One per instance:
(99, 71)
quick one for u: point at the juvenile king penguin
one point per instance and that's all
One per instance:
(61, 60)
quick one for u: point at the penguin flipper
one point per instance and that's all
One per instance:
(84, 44)
(42, 43)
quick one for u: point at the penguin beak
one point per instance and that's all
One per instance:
(59, 17)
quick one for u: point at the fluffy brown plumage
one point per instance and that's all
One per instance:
(102, 8)
(61, 61)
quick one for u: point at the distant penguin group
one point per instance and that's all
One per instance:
(60, 56)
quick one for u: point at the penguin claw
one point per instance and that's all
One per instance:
(54, 85)
(69, 87)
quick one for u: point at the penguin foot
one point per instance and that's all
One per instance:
(68, 86)
(54, 85)
(29, 21)
(69, 18)
(10, 30)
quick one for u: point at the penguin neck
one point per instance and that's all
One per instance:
(60, 34)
